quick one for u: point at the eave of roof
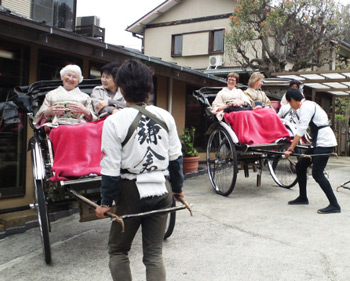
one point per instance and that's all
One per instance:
(334, 82)
(138, 26)
(41, 34)
(223, 71)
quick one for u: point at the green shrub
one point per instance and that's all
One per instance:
(187, 142)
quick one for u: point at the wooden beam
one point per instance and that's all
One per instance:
(191, 20)
(325, 80)
(330, 89)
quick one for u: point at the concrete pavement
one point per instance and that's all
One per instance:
(250, 235)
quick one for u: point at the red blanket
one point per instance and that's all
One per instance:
(77, 150)
(258, 126)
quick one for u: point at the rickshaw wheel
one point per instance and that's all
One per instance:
(283, 170)
(40, 200)
(40, 204)
(171, 218)
(222, 161)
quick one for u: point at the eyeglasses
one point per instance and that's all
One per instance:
(72, 76)
(231, 79)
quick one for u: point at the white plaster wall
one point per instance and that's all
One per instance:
(21, 7)
(158, 42)
(189, 9)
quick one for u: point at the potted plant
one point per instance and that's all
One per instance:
(190, 153)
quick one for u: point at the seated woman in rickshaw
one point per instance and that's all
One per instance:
(66, 104)
(230, 98)
(107, 98)
(257, 97)
(76, 147)
(258, 126)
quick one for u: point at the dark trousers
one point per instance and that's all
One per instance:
(153, 228)
(319, 164)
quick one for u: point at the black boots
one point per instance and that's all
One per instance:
(331, 209)
(299, 201)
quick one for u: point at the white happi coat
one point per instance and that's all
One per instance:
(146, 155)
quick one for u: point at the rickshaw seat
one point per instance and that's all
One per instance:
(77, 150)
(258, 126)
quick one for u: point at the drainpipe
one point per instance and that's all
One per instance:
(170, 95)
(142, 41)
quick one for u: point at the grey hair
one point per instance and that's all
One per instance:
(72, 67)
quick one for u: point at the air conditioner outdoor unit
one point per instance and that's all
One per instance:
(216, 61)
(90, 20)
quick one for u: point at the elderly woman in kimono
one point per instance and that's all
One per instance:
(229, 96)
(257, 97)
(66, 104)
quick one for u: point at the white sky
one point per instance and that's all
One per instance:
(116, 15)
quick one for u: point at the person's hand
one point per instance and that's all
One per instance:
(238, 103)
(57, 109)
(78, 108)
(181, 195)
(235, 104)
(287, 153)
(101, 104)
(101, 210)
(229, 104)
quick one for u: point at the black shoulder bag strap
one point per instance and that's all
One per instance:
(290, 109)
(142, 111)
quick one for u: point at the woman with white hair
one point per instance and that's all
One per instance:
(254, 92)
(66, 104)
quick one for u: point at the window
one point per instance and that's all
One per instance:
(216, 41)
(57, 13)
(64, 16)
(42, 11)
(12, 134)
(176, 45)
(195, 43)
